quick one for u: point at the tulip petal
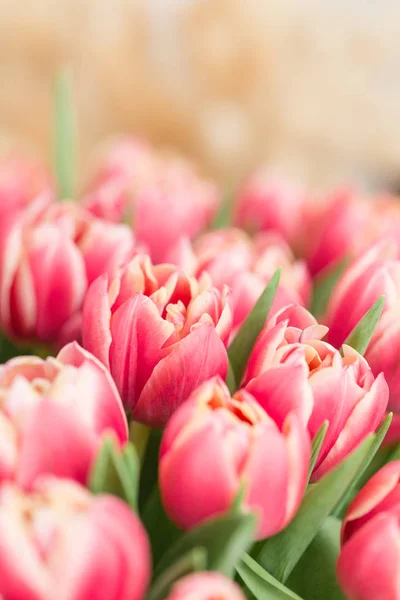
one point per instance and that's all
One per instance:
(95, 394)
(197, 480)
(22, 573)
(368, 565)
(138, 335)
(196, 358)
(96, 333)
(284, 389)
(55, 442)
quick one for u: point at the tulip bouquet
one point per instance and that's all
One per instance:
(198, 400)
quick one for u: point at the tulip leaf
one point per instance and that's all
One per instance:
(314, 576)
(260, 583)
(194, 560)
(224, 216)
(343, 503)
(323, 287)
(395, 455)
(116, 472)
(242, 346)
(161, 530)
(362, 333)
(230, 379)
(149, 471)
(280, 554)
(316, 445)
(64, 135)
(225, 540)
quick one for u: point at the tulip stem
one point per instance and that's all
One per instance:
(139, 435)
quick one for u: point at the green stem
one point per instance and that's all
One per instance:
(139, 436)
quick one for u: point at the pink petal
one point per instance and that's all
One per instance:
(96, 333)
(196, 478)
(138, 335)
(55, 442)
(196, 358)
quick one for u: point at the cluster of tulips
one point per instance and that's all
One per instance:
(199, 399)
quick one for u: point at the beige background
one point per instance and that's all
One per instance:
(309, 85)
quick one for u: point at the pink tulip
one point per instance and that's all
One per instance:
(231, 257)
(54, 414)
(22, 180)
(215, 443)
(382, 356)
(160, 332)
(60, 542)
(369, 563)
(290, 362)
(164, 196)
(269, 203)
(205, 586)
(46, 264)
(375, 273)
(342, 229)
(104, 246)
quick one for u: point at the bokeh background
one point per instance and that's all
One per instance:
(312, 87)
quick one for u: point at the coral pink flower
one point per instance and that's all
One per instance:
(383, 356)
(269, 203)
(205, 586)
(60, 542)
(230, 257)
(160, 332)
(375, 273)
(214, 443)
(369, 563)
(164, 196)
(46, 264)
(290, 361)
(340, 231)
(54, 414)
(22, 180)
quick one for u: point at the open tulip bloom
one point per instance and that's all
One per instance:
(189, 413)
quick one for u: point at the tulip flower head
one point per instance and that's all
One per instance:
(246, 265)
(164, 196)
(269, 203)
(369, 563)
(205, 586)
(160, 333)
(375, 273)
(54, 414)
(46, 264)
(60, 542)
(291, 367)
(216, 443)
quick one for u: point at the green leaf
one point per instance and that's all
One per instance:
(116, 472)
(149, 471)
(161, 530)
(316, 445)
(224, 216)
(225, 539)
(395, 455)
(260, 583)
(230, 379)
(242, 346)
(356, 485)
(361, 335)
(64, 135)
(323, 287)
(314, 576)
(139, 436)
(281, 553)
(194, 560)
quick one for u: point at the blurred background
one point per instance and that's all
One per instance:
(312, 87)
